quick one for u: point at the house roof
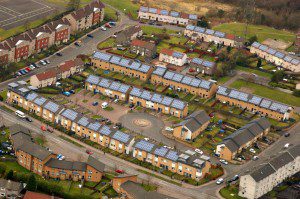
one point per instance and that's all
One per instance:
(35, 195)
(13, 41)
(281, 160)
(128, 32)
(67, 165)
(143, 44)
(263, 172)
(4, 46)
(87, 10)
(195, 121)
(46, 75)
(11, 185)
(172, 53)
(54, 24)
(93, 162)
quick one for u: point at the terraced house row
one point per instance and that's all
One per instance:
(254, 103)
(208, 35)
(39, 160)
(139, 97)
(189, 163)
(25, 97)
(279, 58)
(52, 33)
(165, 16)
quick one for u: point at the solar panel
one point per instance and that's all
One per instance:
(193, 17)
(169, 75)
(190, 27)
(295, 61)
(167, 101)
(51, 106)
(195, 82)
(174, 14)
(135, 65)
(178, 54)
(136, 92)
(23, 90)
(208, 64)
(32, 88)
(255, 44)
(13, 85)
(115, 86)
(156, 98)
(279, 107)
(31, 96)
(243, 96)
(94, 126)
(124, 62)
(92, 79)
(39, 101)
(144, 68)
(105, 130)
(21, 82)
(120, 136)
(144, 145)
(83, 121)
(153, 10)
(199, 29)
(198, 161)
(146, 95)
(279, 55)
(143, 9)
(197, 61)
(205, 84)
(172, 155)
(186, 80)
(271, 51)
(161, 151)
(102, 56)
(263, 48)
(123, 88)
(164, 12)
(159, 71)
(70, 114)
(265, 103)
(255, 100)
(178, 104)
(104, 83)
(220, 34)
(115, 60)
(222, 91)
(177, 77)
(288, 58)
(209, 31)
(234, 94)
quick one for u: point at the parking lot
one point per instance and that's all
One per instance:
(15, 13)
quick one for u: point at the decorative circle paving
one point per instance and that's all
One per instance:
(142, 122)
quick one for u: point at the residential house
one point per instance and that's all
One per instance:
(180, 82)
(121, 142)
(42, 36)
(242, 138)
(69, 68)
(121, 65)
(209, 35)
(254, 103)
(61, 30)
(6, 54)
(165, 16)
(144, 48)
(203, 66)
(117, 181)
(261, 180)
(126, 36)
(50, 110)
(172, 57)
(11, 189)
(192, 125)
(160, 103)
(44, 79)
(279, 58)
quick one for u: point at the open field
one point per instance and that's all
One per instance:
(125, 6)
(262, 32)
(267, 92)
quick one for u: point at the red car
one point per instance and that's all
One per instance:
(27, 68)
(191, 70)
(89, 152)
(120, 171)
(107, 25)
(43, 128)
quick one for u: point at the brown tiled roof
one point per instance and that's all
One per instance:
(167, 51)
(46, 75)
(39, 29)
(4, 46)
(53, 24)
(230, 36)
(78, 62)
(66, 66)
(144, 44)
(34, 195)
(87, 10)
(184, 15)
(13, 40)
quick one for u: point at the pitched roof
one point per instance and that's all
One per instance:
(67, 165)
(281, 160)
(54, 24)
(195, 121)
(11, 185)
(128, 32)
(143, 44)
(12, 41)
(87, 10)
(4, 46)
(35, 195)
(263, 172)
(46, 75)
(93, 162)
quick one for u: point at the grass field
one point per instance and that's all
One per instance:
(267, 92)
(125, 6)
(257, 72)
(262, 32)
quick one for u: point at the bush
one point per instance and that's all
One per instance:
(10, 175)
(2, 168)
(296, 93)
(31, 183)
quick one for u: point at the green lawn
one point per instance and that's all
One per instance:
(267, 92)
(257, 72)
(262, 32)
(230, 193)
(125, 6)
(110, 42)
(151, 30)
(3, 94)
(110, 13)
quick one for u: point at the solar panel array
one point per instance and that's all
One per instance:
(209, 31)
(94, 126)
(193, 17)
(93, 79)
(178, 54)
(84, 121)
(164, 12)
(153, 10)
(144, 9)
(144, 145)
(161, 151)
(178, 104)
(70, 114)
(208, 64)
(51, 106)
(253, 99)
(31, 96)
(160, 71)
(200, 29)
(23, 90)
(102, 56)
(174, 14)
(40, 101)
(120, 136)
(136, 92)
(220, 34)
(22, 82)
(190, 27)
(13, 85)
(172, 155)
(105, 130)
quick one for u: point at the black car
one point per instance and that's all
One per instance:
(59, 54)
(287, 134)
(90, 36)
(77, 44)
(28, 119)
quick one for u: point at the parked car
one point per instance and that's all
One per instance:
(103, 28)
(77, 44)
(255, 158)
(32, 67)
(90, 36)
(252, 150)
(66, 93)
(107, 25)
(89, 152)
(42, 62)
(286, 145)
(169, 129)
(286, 134)
(72, 91)
(59, 54)
(95, 103)
(104, 105)
(223, 161)
(28, 119)
(199, 151)
(255, 145)
(120, 171)
(47, 61)
(220, 181)
(112, 23)
(131, 105)
(147, 139)
(116, 100)
(234, 178)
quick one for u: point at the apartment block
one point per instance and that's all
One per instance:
(279, 58)
(263, 179)
(6, 54)
(107, 87)
(172, 57)
(209, 35)
(160, 103)
(242, 138)
(262, 106)
(191, 126)
(61, 30)
(121, 65)
(177, 81)
(165, 16)
(203, 66)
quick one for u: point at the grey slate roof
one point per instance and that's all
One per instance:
(67, 165)
(281, 160)
(195, 121)
(93, 162)
(262, 172)
(11, 185)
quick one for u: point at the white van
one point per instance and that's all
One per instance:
(20, 114)
(104, 105)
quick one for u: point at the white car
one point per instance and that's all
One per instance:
(147, 139)
(223, 161)
(103, 28)
(220, 181)
(42, 62)
(255, 158)
(286, 145)
(104, 105)
(252, 150)
(199, 151)
(169, 129)
(116, 100)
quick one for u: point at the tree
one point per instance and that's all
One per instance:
(220, 13)
(296, 93)
(228, 49)
(31, 183)
(258, 65)
(9, 175)
(2, 169)
(277, 76)
(73, 5)
(252, 39)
